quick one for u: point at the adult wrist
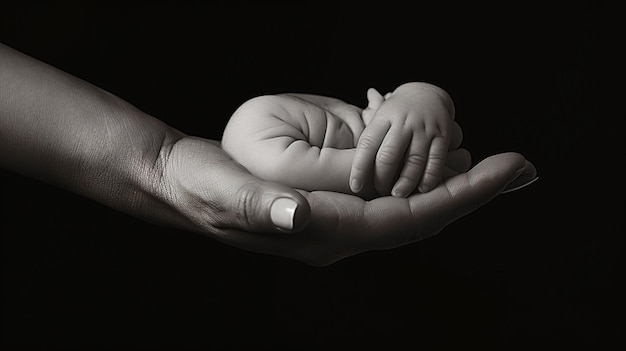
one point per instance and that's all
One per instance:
(121, 166)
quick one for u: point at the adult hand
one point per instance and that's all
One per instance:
(64, 131)
(214, 195)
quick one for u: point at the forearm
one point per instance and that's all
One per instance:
(59, 129)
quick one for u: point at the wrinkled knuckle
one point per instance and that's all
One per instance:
(432, 175)
(209, 214)
(410, 179)
(415, 160)
(387, 155)
(366, 142)
(247, 198)
(437, 159)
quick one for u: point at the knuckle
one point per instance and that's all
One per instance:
(436, 131)
(387, 155)
(437, 159)
(366, 142)
(409, 179)
(217, 215)
(415, 160)
(247, 198)
(432, 175)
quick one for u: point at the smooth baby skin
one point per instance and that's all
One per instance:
(405, 145)
(309, 141)
(303, 141)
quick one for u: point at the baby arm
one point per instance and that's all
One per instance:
(405, 144)
(301, 140)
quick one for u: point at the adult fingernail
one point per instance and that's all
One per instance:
(523, 185)
(282, 213)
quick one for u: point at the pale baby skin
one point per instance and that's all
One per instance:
(397, 145)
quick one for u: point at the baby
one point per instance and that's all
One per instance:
(395, 146)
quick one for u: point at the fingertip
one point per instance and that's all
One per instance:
(399, 193)
(423, 188)
(356, 185)
(374, 98)
(403, 188)
(523, 178)
(429, 182)
(372, 92)
(517, 185)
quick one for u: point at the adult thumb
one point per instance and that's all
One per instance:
(226, 196)
(256, 205)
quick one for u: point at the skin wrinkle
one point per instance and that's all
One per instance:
(352, 114)
(371, 217)
(204, 207)
(317, 140)
(342, 128)
(295, 143)
(149, 160)
(307, 135)
(292, 127)
(247, 196)
(327, 120)
(268, 130)
(303, 122)
(305, 128)
(159, 168)
(385, 155)
(337, 220)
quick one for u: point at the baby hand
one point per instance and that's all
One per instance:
(405, 143)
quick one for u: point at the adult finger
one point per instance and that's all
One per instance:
(526, 177)
(342, 225)
(468, 191)
(424, 215)
(458, 161)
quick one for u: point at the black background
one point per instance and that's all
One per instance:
(538, 267)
